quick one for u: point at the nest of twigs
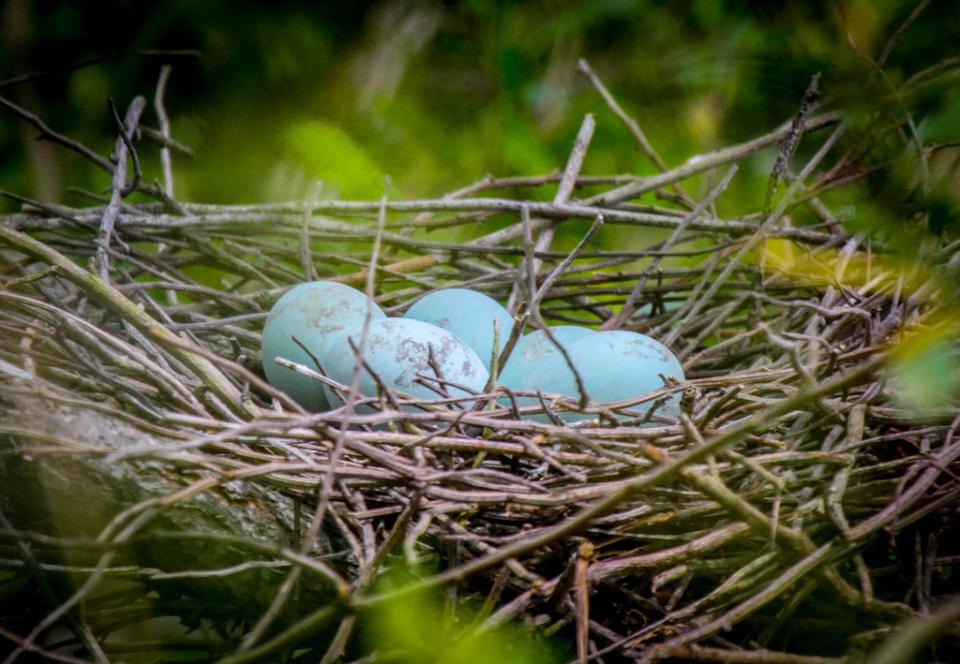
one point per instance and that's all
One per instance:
(795, 513)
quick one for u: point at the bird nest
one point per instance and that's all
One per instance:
(796, 511)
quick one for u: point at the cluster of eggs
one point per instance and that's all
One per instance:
(451, 332)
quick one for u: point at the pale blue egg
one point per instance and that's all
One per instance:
(398, 350)
(319, 314)
(533, 349)
(614, 365)
(467, 314)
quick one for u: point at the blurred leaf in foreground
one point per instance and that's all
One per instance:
(832, 267)
(416, 628)
(925, 372)
(926, 368)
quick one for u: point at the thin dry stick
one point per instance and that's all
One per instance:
(166, 163)
(645, 146)
(118, 187)
(567, 183)
(789, 144)
(581, 592)
(288, 216)
(565, 263)
(81, 629)
(306, 258)
(707, 162)
(47, 655)
(760, 234)
(757, 656)
(118, 304)
(622, 316)
(60, 70)
(888, 48)
(51, 135)
(533, 307)
(326, 486)
(653, 478)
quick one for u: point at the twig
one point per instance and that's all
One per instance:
(789, 143)
(567, 181)
(313, 530)
(144, 53)
(55, 137)
(888, 47)
(702, 163)
(306, 259)
(582, 598)
(645, 146)
(658, 475)
(761, 232)
(119, 186)
(533, 306)
(762, 656)
(630, 305)
(541, 213)
(166, 162)
(565, 263)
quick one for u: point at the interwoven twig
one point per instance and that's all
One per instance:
(769, 499)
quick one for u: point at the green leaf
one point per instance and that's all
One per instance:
(328, 153)
(927, 378)
(417, 628)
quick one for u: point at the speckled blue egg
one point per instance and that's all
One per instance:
(614, 365)
(533, 349)
(468, 315)
(320, 314)
(398, 350)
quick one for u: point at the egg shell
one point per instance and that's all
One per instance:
(614, 365)
(397, 350)
(669, 305)
(468, 315)
(533, 349)
(320, 314)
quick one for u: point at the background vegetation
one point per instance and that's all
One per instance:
(436, 94)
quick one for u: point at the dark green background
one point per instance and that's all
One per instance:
(436, 95)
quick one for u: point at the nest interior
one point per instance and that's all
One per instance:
(797, 509)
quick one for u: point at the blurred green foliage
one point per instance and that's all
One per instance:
(327, 153)
(438, 94)
(925, 371)
(925, 380)
(421, 628)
